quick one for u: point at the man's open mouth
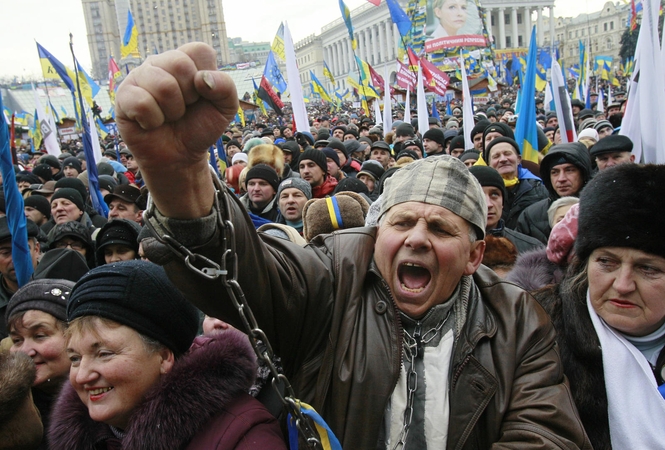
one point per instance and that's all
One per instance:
(413, 277)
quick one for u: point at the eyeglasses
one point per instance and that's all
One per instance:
(74, 245)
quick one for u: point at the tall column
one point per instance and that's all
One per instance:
(345, 54)
(336, 70)
(375, 45)
(551, 25)
(502, 28)
(360, 50)
(527, 24)
(513, 26)
(390, 53)
(396, 37)
(540, 25)
(381, 30)
(350, 60)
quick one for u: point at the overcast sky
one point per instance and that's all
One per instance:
(50, 21)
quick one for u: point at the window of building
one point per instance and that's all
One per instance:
(519, 41)
(509, 42)
(612, 25)
(570, 35)
(506, 19)
(492, 19)
(519, 18)
(605, 26)
(595, 29)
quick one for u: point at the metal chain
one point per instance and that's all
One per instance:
(227, 273)
(412, 346)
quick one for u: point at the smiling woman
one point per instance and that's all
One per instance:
(609, 311)
(139, 379)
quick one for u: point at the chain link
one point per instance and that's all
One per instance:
(227, 273)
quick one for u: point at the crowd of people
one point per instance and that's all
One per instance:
(417, 293)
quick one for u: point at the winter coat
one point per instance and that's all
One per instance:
(270, 212)
(325, 189)
(527, 192)
(534, 221)
(328, 312)
(533, 271)
(202, 403)
(352, 167)
(522, 242)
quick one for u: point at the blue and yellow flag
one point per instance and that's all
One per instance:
(346, 15)
(54, 69)
(277, 46)
(526, 133)
(318, 87)
(36, 131)
(328, 73)
(130, 41)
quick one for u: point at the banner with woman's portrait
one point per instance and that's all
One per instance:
(453, 24)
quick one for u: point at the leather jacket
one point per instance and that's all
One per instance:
(331, 317)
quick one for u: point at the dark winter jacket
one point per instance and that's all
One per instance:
(533, 271)
(522, 242)
(329, 313)
(534, 221)
(526, 193)
(352, 167)
(202, 403)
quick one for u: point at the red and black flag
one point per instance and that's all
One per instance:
(269, 96)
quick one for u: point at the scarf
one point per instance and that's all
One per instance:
(635, 407)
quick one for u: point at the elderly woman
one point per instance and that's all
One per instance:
(36, 317)
(117, 241)
(609, 310)
(139, 379)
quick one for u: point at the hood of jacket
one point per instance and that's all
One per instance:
(201, 384)
(574, 153)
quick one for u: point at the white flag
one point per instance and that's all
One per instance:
(94, 137)
(387, 103)
(564, 112)
(467, 108)
(407, 106)
(423, 113)
(295, 86)
(377, 112)
(47, 127)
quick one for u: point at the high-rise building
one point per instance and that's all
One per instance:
(162, 25)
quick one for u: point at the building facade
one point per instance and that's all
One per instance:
(510, 23)
(600, 31)
(242, 51)
(162, 25)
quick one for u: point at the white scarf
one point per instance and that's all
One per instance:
(636, 409)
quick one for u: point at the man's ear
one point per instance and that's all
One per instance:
(475, 257)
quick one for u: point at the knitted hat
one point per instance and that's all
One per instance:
(105, 169)
(469, 154)
(438, 180)
(488, 176)
(621, 207)
(610, 144)
(72, 162)
(233, 143)
(49, 296)
(291, 147)
(499, 140)
(32, 228)
(137, 294)
(117, 231)
(480, 128)
(341, 211)
(297, 183)
(456, 143)
(407, 153)
(252, 143)
(70, 194)
(40, 204)
(405, 129)
(372, 168)
(336, 144)
(51, 160)
(436, 135)
(263, 172)
(239, 157)
(317, 156)
(452, 124)
(107, 183)
(43, 171)
(330, 153)
(62, 263)
(498, 127)
(351, 184)
(73, 183)
(598, 126)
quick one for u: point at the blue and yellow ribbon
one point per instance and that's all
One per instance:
(328, 439)
(335, 214)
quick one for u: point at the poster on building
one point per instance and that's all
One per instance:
(453, 24)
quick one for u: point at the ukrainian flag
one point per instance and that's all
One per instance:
(52, 68)
(130, 41)
(318, 87)
(327, 73)
(346, 15)
(526, 133)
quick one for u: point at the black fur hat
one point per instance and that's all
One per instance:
(622, 207)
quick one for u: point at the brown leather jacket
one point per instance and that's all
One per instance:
(330, 316)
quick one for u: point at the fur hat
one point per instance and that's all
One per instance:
(439, 180)
(137, 294)
(266, 154)
(17, 373)
(341, 211)
(621, 207)
(500, 252)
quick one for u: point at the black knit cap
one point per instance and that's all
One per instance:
(73, 162)
(43, 171)
(40, 204)
(330, 153)
(405, 129)
(436, 135)
(264, 172)
(5, 233)
(351, 184)
(73, 183)
(622, 207)
(469, 154)
(480, 127)
(499, 140)
(117, 231)
(336, 144)
(488, 176)
(457, 142)
(70, 194)
(498, 127)
(49, 296)
(137, 294)
(316, 156)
